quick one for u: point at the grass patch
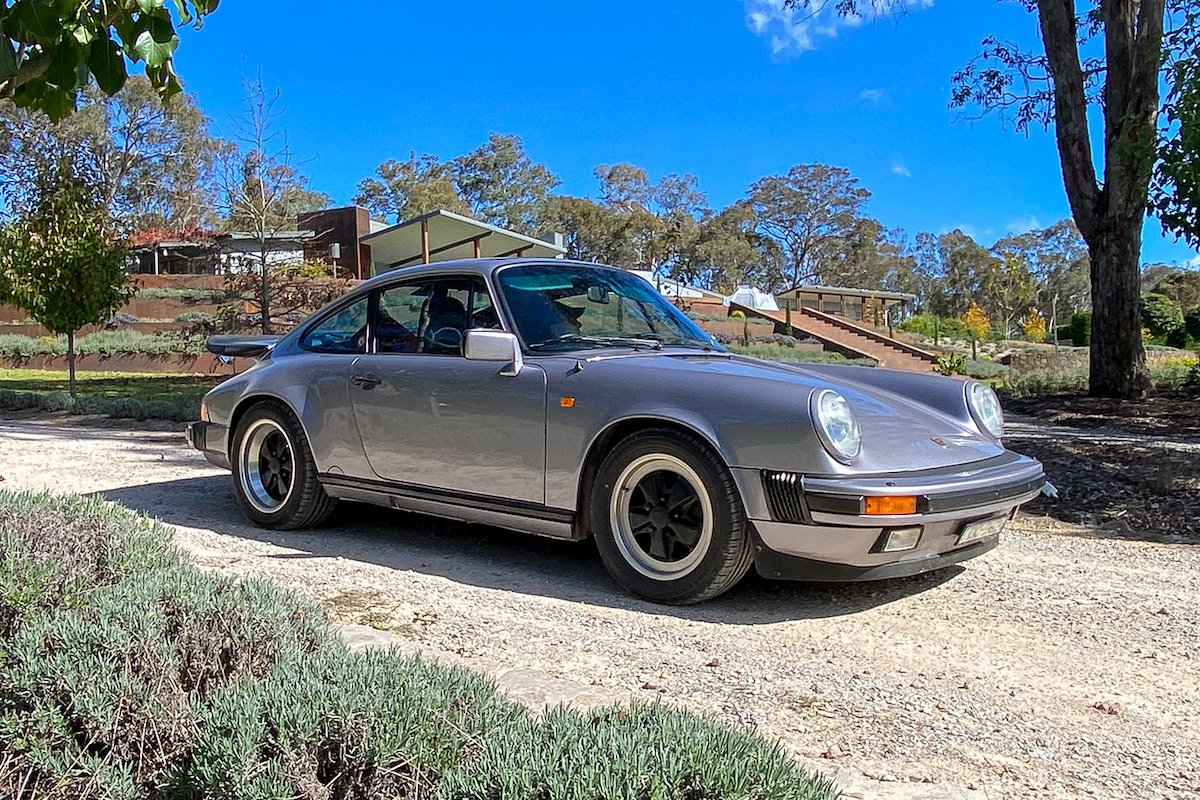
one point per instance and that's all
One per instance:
(115, 394)
(129, 673)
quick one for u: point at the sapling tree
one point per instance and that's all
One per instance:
(61, 259)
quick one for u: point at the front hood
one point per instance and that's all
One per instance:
(899, 431)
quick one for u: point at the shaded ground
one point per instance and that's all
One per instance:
(1130, 468)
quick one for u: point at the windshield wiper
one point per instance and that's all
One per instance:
(575, 339)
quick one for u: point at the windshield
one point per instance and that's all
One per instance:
(575, 306)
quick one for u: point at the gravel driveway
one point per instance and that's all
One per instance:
(1062, 664)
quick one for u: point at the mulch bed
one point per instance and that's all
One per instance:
(1121, 474)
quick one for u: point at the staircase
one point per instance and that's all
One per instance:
(840, 335)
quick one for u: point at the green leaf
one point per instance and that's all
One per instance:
(33, 19)
(107, 63)
(8, 60)
(149, 6)
(156, 41)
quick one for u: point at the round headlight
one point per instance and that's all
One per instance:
(985, 408)
(837, 425)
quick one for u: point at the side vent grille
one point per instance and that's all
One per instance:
(785, 497)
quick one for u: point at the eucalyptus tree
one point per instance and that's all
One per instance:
(811, 212)
(154, 160)
(1102, 61)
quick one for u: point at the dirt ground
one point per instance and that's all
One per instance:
(1065, 663)
(1131, 469)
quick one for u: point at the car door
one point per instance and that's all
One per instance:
(427, 416)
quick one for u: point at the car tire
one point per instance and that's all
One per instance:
(274, 475)
(668, 520)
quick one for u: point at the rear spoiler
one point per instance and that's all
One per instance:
(242, 346)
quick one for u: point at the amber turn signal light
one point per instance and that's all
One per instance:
(887, 506)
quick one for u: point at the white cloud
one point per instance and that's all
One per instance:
(793, 30)
(899, 168)
(1193, 264)
(872, 97)
(1023, 225)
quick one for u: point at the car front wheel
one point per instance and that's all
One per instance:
(668, 520)
(274, 475)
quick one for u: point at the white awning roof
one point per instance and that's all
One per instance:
(445, 236)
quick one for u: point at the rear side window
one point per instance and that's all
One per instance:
(345, 331)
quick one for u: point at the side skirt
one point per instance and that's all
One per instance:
(513, 515)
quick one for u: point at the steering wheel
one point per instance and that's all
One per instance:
(448, 337)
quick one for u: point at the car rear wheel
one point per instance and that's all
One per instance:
(668, 520)
(274, 475)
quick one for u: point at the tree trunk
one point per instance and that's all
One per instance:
(1109, 214)
(71, 363)
(264, 305)
(1118, 359)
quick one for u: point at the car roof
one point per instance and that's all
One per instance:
(481, 266)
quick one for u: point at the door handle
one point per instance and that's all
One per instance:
(366, 381)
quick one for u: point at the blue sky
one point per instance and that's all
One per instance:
(728, 90)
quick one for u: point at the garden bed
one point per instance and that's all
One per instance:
(130, 673)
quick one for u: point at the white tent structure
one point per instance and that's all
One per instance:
(669, 287)
(750, 297)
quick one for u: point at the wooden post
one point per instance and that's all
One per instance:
(820, 302)
(477, 241)
(424, 241)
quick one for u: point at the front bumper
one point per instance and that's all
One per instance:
(210, 439)
(814, 528)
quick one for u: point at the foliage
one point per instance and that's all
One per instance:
(207, 296)
(745, 326)
(50, 51)
(1034, 327)
(62, 262)
(951, 364)
(929, 324)
(497, 182)
(976, 323)
(1175, 190)
(291, 296)
(1081, 328)
(130, 673)
(985, 370)
(1059, 264)
(809, 213)
(503, 185)
(978, 326)
(1191, 323)
(153, 160)
(104, 343)
(1160, 314)
(403, 190)
(1008, 286)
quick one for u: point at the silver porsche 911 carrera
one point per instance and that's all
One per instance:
(572, 400)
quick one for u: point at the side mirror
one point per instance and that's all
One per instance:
(489, 345)
(597, 294)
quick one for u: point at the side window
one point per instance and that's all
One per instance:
(432, 316)
(399, 322)
(343, 332)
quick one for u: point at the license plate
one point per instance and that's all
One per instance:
(981, 529)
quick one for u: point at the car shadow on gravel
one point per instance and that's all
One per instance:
(494, 558)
